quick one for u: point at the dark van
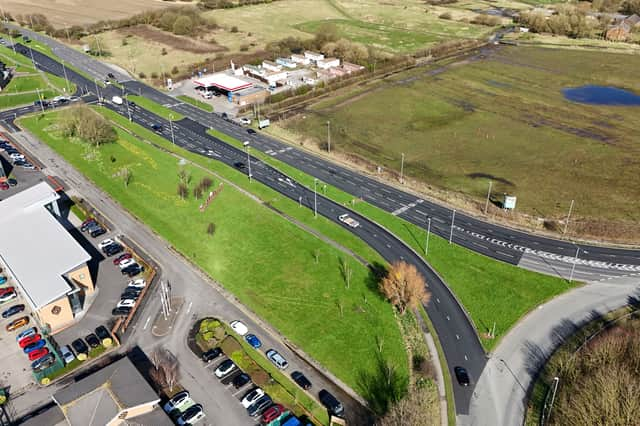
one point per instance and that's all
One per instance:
(331, 402)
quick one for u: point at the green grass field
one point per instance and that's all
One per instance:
(264, 260)
(502, 119)
(195, 102)
(155, 108)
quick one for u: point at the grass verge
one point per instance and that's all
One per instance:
(195, 102)
(155, 108)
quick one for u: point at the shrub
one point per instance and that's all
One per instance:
(234, 29)
(142, 75)
(445, 15)
(183, 26)
(175, 70)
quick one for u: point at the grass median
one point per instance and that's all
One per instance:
(195, 102)
(149, 105)
(267, 262)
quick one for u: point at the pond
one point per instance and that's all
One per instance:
(601, 95)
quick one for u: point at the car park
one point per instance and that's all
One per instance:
(301, 380)
(92, 340)
(103, 333)
(6, 296)
(272, 413)
(67, 354)
(251, 397)
(122, 257)
(177, 402)
(16, 324)
(277, 359)
(240, 380)
(28, 332)
(15, 309)
(226, 367)
(258, 407)
(331, 403)
(79, 346)
(120, 311)
(253, 340)
(461, 376)
(239, 327)
(23, 343)
(139, 283)
(33, 346)
(38, 353)
(211, 354)
(126, 303)
(191, 415)
(43, 363)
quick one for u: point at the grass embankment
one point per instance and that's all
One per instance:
(502, 119)
(491, 291)
(267, 262)
(149, 105)
(195, 102)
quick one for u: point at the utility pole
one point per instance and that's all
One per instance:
(97, 90)
(95, 37)
(329, 136)
(566, 223)
(315, 198)
(575, 260)
(426, 246)
(453, 218)
(173, 139)
(127, 102)
(246, 144)
(64, 71)
(402, 169)
(40, 99)
(486, 204)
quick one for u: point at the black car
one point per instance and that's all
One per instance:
(239, 165)
(91, 223)
(110, 75)
(331, 403)
(462, 376)
(211, 354)
(251, 131)
(97, 232)
(130, 294)
(122, 311)
(132, 270)
(12, 182)
(240, 380)
(80, 347)
(260, 405)
(15, 309)
(93, 226)
(43, 363)
(102, 332)
(113, 249)
(301, 380)
(92, 340)
(157, 127)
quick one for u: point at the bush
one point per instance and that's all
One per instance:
(183, 26)
(488, 20)
(142, 75)
(234, 29)
(445, 15)
(175, 70)
(244, 48)
(154, 75)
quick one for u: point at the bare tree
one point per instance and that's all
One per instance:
(165, 369)
(404, 286)
(183, 191)
(416, 409)
(211, 228)
(341, 307)
(197, 192)
(316, 255)
(346, 271)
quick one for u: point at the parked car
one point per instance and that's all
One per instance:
(28, 166)
(92, 340)
(252, 396)
(272, 413)
(245, 121)
(97, 232)
(130, 293)
(38, 353)
(127, 262)
(259, 406)
(331, 403)
(253, 340)
(43, 363)
(67, 354)
(87, 222)
(15, 309)
(80, 347)
(139, 283)
(225, 367)
(16, 324)
(277, 359)
(132, 270)
(461, 375)
(23, 343)
(92, 226)
(211, 354)
(7, 290)
(26, 333)
(4, 186)
(16, 156)
(113, 250)
(105, 243)
(103, 333)
(177, 402)
(120, 311)
(35, 345)
(240, 380)
(126, 303)
(8, 295)
(121, 258)
(301, 380)
(12, 181)
(239, 327)
(191, 415)
(3, 279)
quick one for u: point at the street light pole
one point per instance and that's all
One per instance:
(64, 71)
(246, 144)
(315, 198)
(486, 204)
(40, 100)
(173, 139)
(566, 223)
(453, 218)
(329, 136)
(97, 90)
(426, 246)
(573, 267)
(402, 169)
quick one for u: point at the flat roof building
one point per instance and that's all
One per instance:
(222, 81)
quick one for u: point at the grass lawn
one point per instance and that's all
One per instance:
(195, 102)
(25, 83)
(489, 290)
(155, 108)
(502, 119)
(265, 261)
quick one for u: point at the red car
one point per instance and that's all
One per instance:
(4, 186)
(37, 354)
(121, 258)
(6, 290)
(272, 413)
(28, 340)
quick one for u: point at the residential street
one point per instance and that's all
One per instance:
(202, 298)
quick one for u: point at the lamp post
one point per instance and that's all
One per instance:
(486, 204)
(315, 198)
(575, 260)
(402, 169)
(566, 224)
(173, 139)
(329, 136)
(426, 246)
(64, 71)
(453, 218)
(246, 145)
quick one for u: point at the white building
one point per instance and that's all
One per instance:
(271, 66)
(286, 62)
(300, 59)
(328, 63)
(276, 77)
(313, 56)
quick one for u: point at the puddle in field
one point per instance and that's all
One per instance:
(601, 95)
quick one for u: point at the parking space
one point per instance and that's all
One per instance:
(17, 178)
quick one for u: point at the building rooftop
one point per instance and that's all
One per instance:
(36, 248)
(222, 81)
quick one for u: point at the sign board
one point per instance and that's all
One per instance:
(509, 202)
(263, 123)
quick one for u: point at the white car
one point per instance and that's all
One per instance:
(126, 303)
(344, 218)
(139, 283)
(105, 243)
(8, 296)
(225, 367)
(239, 327)
(179, 401)
(191, 415)
(245, 121)
(16, 156)
(127, 262)
(251, 397)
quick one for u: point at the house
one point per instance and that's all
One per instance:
(254, 70)
(632, 21)
(286, 62)
(620, 32)
(350, 68)
(313, 56)
(328, 63)
(336, 72)
(300, 59)
(276, 77)
(271, 66)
